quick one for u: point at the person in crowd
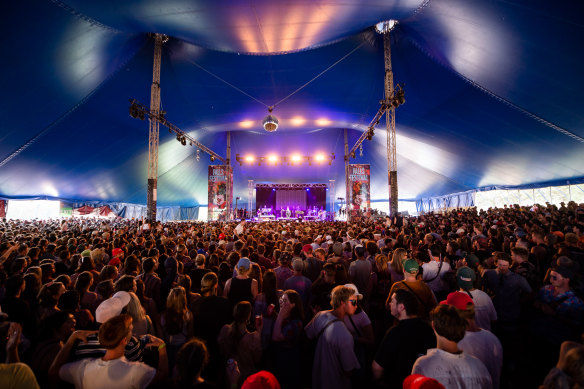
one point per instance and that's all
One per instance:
(449, 365)
(299, 282)
(485, 313)
(478, 342)
(177, 322)
(403, 343)
(241, 287)
(334, 359)
(239, 344)
(422, 292)
(286, 350)
(112, 370)
(191, 359)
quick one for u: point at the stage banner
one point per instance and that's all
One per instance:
(360, 183)
(220, 191)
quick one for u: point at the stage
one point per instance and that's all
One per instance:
(291, 202)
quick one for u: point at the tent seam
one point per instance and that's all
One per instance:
(84, 17)
(41, 133)
(495, 96)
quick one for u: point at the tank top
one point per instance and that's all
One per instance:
(240, 290)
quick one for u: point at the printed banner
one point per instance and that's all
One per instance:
(220, 180)
(360, 183)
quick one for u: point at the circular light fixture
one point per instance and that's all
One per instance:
(270, 122)
(385, 26)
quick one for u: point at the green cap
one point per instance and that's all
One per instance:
(411, 266)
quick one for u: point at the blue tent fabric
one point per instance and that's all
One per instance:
(493, 95)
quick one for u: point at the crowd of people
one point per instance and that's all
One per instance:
(461, 299)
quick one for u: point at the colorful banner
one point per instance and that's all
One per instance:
(220, 191)
(359, 184)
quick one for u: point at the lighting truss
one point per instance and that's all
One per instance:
(318, 159)
(395, 101)
(289, 186)
(140, 111)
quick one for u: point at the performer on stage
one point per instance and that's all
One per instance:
(288, 213)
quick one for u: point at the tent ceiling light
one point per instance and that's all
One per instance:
(385, 26)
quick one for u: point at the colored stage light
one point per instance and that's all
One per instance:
(297, 121)
(246, 123)
(273, 159)
(323, 122)
(307, 189)
(249, 158)
(296, 158)
(319, 158)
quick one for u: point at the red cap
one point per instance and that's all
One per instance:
(115, 261)
(221, 236)
(261, 380)
(116, 252)
(306, 248)
(418, 381)
(459, 300)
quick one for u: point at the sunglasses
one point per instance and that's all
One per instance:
(353, 302)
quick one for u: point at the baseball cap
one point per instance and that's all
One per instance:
(465, 277)
(418, 381)
(112, 306)
(261, 380)
(86, 253)
(411, 266)
(354, 287)
(472, 260)
(306, 248)
(116, 252)
(244, 262)
(459, 300)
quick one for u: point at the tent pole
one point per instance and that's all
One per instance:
(390, 126)
(153, 132)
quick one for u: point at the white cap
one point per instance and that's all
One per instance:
(112, 306)
(354, 287)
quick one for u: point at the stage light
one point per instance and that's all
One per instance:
(198, 155)
(273, 159)
(323, 122)
(296, 158)
(361, 150)
(308, 189)
(270, 122)
(297, 121)
(273, 189)
(249, 158)
(386, 26)
(246, 123)
(212, 158)
(319, 158)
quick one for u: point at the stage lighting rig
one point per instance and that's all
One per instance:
(140, 111)
(270, 122)
(294, 159)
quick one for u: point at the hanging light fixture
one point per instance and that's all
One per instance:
(361, 150)
(270, 122)
(198, 156)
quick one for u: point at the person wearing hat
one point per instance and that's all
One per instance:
(561, 305)
(447, 363)
(402, 343)
(241, 287)
(117, 257)
(334, 358)
(112, 370)
(283, 272)
(483, 304)
(360, 270)
(477, 341)
(426, 298)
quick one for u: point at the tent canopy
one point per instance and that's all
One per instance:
(493, 93)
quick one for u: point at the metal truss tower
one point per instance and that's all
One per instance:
(390, 125)
(153, 133)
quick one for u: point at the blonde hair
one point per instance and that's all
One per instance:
(398, 258)
(381, 262)
(340, 294)
(135, 309)
(177, 300)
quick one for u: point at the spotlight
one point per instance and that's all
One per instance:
(319, 158)
(296, 158)
(249, 158)
(183, 141)
(212, 158)
(353, 155)
(273, 159)
(198, 155)
(361, 150)
(370, 134)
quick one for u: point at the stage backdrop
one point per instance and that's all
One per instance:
(218, 196)
(303, 199)
(359, 182)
